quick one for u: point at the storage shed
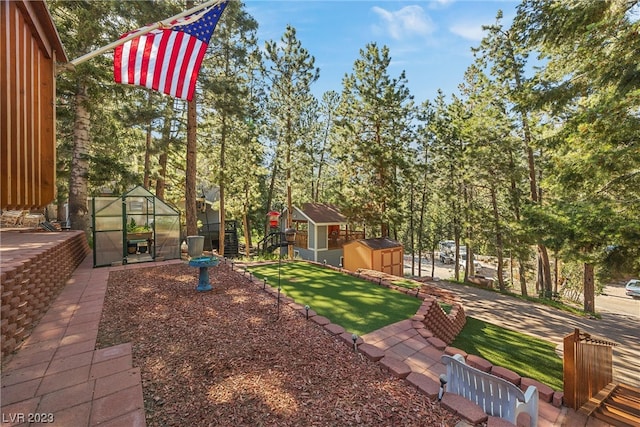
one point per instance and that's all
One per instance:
(135, 227)
(379, 254)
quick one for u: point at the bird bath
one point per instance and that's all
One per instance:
(203, 263)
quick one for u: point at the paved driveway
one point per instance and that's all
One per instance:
(553, 325)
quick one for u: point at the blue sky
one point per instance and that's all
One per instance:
(430, 40)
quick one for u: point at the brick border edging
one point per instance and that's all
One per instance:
(428, 315)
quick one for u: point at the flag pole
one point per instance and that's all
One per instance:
(72, 64)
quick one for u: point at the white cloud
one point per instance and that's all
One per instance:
(440, 3)
(469, 32)
(406, 22)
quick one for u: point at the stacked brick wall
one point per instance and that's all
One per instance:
(442, 325)
(29, 286)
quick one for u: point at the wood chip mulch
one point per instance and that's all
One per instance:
(224, 358)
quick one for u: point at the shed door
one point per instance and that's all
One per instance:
(391, 261)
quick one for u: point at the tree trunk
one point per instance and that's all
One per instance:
(555, 274)
(456, 239)
(433, 262)
(289, 200)
(221, 184)
(162, 173)
(245, 222)
(190, 181)
(523, 279)
(546, 270)
(412, 234)
(423, 206)
(147, 156)
(191, 211)
(467, 209)
(498, 231)
(78, 210)
(316, 190)
(589, 289)
(515, 201)
(544, 274)
(421, 228)
(61, 209)
(163, 157)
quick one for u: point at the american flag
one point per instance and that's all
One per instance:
(168, 59)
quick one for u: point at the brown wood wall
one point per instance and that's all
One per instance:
(28, 48)
(587, 369)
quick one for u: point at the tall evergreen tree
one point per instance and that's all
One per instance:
(502, 52)
(493, 146)
(373, 132)
(82, 27)
(448, 150)
(227, 75)
(290, 71)
(591, 82)
(321, 148)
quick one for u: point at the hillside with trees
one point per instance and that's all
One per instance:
(535, 161)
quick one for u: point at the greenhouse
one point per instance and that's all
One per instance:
(135, 227)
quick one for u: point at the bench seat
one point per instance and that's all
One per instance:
(496, 396)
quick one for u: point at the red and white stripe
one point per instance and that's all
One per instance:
(165, 60)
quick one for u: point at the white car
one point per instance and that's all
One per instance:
(632, 288)
(463, 263)
(446, 258)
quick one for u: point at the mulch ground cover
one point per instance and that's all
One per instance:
(225, 358)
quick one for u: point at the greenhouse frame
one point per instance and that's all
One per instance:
(135, 227)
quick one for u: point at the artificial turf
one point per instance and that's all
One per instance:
(527, 356)
(358, 305)
(361, 306)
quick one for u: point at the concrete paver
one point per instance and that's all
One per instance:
(58, 372)
(426, 362)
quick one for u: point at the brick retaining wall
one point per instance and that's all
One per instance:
(30, 284)
(442, 325)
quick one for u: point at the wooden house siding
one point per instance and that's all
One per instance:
(30, 47)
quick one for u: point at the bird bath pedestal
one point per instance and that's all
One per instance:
(203, 263)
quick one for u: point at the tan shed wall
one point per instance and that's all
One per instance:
(27, 107)
(358, 255)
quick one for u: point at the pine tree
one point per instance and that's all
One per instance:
(591, 83)
(503, 53)
(81, 29)
(290, 71)
(373, 132)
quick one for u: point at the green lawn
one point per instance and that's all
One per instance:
(362, 307)
(523, 354)
(355, 304)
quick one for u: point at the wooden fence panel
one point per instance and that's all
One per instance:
(587, 367)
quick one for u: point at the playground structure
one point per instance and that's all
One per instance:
(321, 233)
